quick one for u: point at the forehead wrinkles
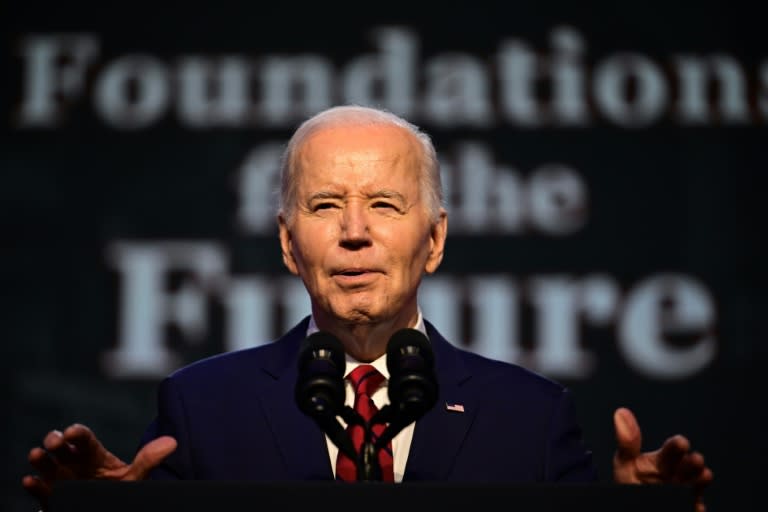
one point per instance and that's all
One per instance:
(364, 141)
(384, 159)
(328, 149)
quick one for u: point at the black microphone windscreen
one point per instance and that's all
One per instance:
(325, 345)
(412, 386)
(409, 350)
(320, 384)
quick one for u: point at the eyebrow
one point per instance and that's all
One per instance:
(324, 195)
(388, 194)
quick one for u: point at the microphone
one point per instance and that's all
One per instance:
(412, 386)
(319, 391)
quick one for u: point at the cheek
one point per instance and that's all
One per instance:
(312, 255)
(411, 253)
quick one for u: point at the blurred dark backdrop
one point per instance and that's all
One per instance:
(604, 167)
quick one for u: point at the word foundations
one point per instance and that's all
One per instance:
(517, 85)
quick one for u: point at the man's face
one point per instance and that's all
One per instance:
(360, 236)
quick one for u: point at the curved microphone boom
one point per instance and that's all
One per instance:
(319, 391)
(412, 386)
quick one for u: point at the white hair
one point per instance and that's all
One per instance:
(355, 115)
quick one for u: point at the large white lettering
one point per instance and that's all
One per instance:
(482, 196)
(522, 86)
(667, 327)
(147, 305)
(664, 324)
(54, 76)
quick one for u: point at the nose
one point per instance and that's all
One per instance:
(354, 226)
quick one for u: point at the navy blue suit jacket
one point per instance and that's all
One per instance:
(235, 418)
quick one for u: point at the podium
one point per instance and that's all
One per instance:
(241, 496)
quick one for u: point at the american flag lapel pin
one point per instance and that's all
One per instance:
(454, 407)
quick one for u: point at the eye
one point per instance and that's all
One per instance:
(384, 205)
(323, 206)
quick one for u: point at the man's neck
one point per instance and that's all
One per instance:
(366, 342)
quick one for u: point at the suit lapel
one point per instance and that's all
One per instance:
(439, 434)
(299, 439)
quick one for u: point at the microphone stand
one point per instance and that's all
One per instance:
(367, 460)
(395, 423)
(369, 465)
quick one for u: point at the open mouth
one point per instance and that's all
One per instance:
(355, 278)
(354, 272)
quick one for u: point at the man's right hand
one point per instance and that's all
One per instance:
(77, 454)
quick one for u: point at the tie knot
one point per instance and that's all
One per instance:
(366, 379)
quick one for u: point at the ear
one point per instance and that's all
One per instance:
(437, 238)
(286, 245)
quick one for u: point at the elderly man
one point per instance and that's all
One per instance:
(361, 222)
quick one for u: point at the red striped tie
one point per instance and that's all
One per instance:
(365, 380)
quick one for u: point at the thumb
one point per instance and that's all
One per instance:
(628, 436)
(150, 455)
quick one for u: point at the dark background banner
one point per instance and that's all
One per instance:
(603, 167)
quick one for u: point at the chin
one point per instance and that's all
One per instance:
(358, 314)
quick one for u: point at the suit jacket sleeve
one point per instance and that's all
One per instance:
(170, 420)
(567, 459)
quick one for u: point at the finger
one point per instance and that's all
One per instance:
(53, 440)
(691, 468)
(57, 446)
(670, 456)
(79, 434)
(43, 463)
(150, 456)
(84, 442)
(696, 472)
(37, 488)
(628, 435)
(705, 478)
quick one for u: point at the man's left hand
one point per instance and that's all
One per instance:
(673, 463)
